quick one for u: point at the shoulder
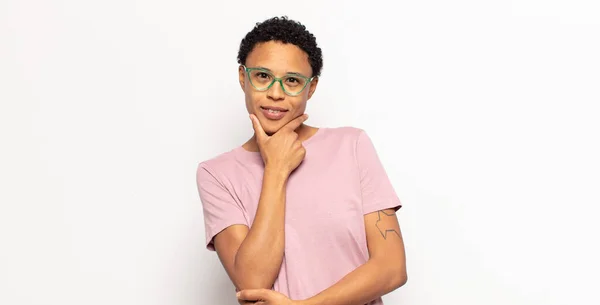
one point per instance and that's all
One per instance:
(217, 166)
(345, 131)
(345, 135)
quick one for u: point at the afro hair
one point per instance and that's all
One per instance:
(287, 31)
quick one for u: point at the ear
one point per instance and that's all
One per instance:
(313, 86)
(242, 76)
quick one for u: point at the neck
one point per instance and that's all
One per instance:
(304, 132)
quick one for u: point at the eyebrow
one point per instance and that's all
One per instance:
(288, 73)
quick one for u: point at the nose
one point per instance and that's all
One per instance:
(276, 92)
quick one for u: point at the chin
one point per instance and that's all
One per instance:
(271, 129)
(272, 126)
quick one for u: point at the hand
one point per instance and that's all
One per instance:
(282, 150)
(264, 297)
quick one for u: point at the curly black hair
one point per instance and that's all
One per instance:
(287, 31)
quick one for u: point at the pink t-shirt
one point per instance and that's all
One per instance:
(340, 180)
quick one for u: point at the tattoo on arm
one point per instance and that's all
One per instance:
(383, 229)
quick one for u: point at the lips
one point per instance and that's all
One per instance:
(273, 113)
(273, 108)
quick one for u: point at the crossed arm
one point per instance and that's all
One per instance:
(384, 272)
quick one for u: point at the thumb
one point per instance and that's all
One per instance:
(261, 135)
(251, 295)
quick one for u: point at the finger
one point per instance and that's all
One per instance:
(245, 302)
(258, 130)
(251, 295)
(295, 123)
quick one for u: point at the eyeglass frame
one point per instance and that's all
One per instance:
(277, 79)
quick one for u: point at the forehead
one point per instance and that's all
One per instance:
(279, 57)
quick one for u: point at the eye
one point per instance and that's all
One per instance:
(292, 80)
(262, 75)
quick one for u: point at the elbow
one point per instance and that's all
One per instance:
(393, 272)
(247, 277)
(395, 275)
(398, 277)
(254, 284)
(248, 280)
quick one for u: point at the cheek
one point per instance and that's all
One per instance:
(299, 106)
(252, 100)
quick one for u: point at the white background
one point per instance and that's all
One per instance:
(485, 114)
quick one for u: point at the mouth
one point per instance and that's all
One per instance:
(273, 113)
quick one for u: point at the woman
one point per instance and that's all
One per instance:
(299, 214)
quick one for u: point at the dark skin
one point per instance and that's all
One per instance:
(279, 58)
(252, 256)
(384, 272)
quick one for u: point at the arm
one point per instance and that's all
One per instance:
(384, 272)
(252, 257)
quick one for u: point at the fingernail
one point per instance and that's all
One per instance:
(237, 294)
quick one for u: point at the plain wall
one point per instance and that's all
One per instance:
(484, 113)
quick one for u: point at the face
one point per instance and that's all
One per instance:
(280, 59)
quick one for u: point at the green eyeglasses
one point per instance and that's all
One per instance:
(262, 79)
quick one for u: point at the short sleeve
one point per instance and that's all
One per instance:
(219, 207)
(376, 189)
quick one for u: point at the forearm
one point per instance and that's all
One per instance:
(259, 258)
(371, 280)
